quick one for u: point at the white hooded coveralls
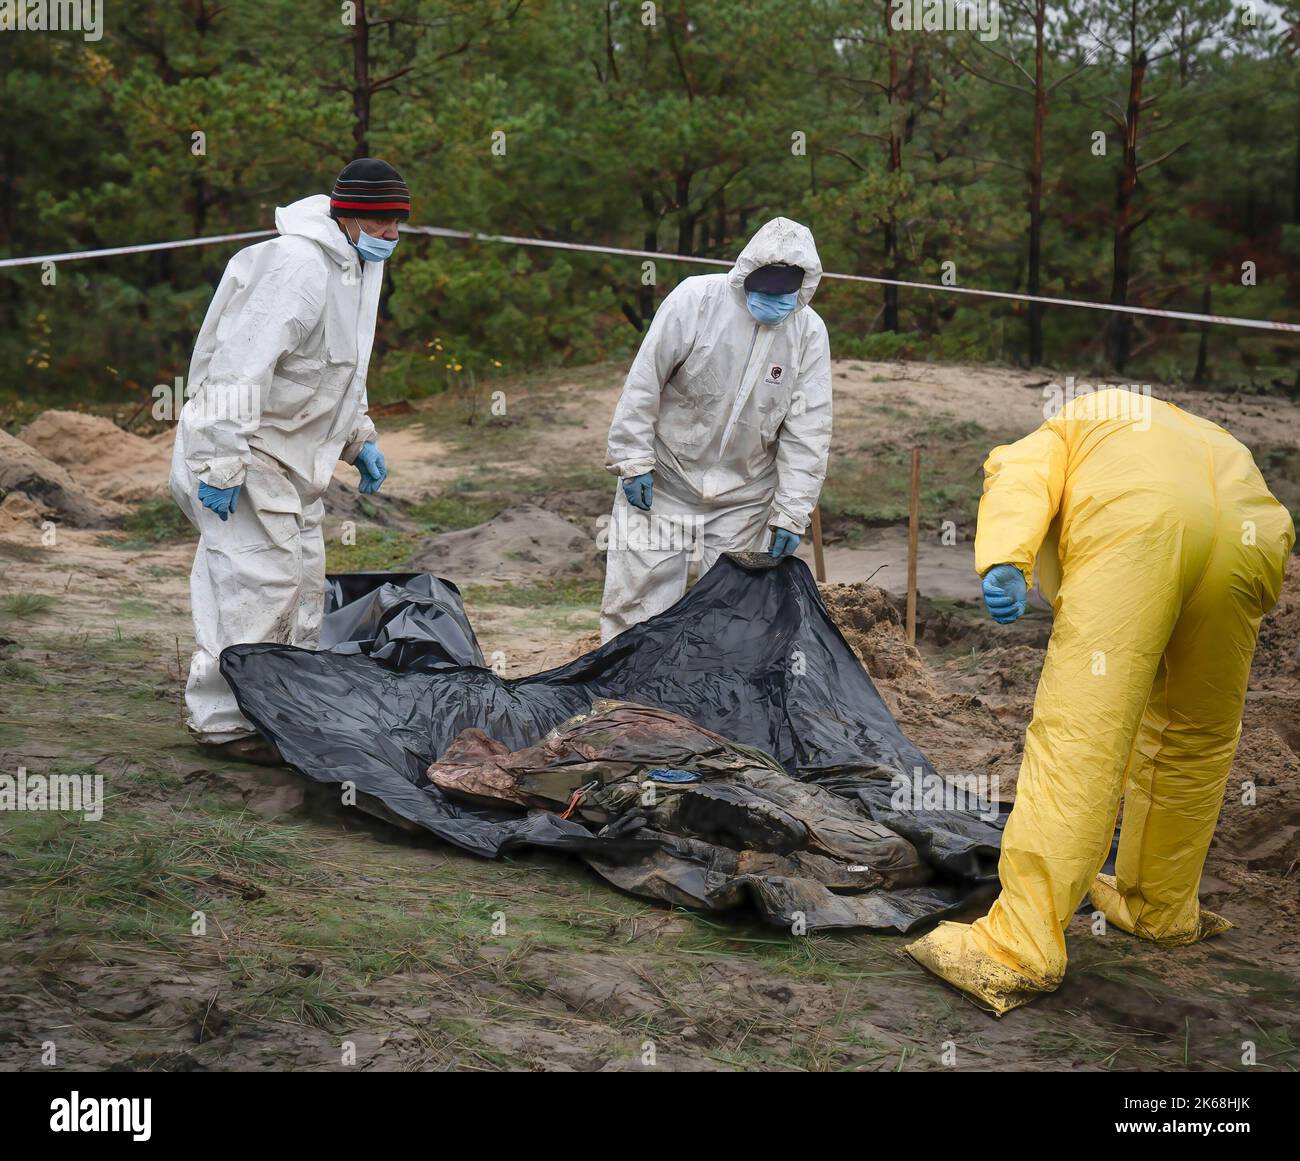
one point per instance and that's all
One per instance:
(277, 391)
(732, 416)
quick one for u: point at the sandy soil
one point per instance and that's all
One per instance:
(965, 696)
(521, 544)
(100, 455)
(877, 406)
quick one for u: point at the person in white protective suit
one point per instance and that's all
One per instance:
(721, 436)
(277, 396)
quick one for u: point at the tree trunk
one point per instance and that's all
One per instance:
(646, 294)
(1121, 325)
(361, 84)
(685, 219)
(1203, 351)
(1036, 191)
(1295, 193)
(199, 214)
(895, 166)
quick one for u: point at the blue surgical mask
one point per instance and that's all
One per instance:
(373, 249)
(770, 308)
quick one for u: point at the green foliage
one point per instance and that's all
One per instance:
(560, 592)
(25, 606)
(569, 120)
(375, 550)
(878, 491)
(454, 510)
(156, 522)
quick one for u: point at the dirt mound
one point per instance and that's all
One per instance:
(581, 505)
(526, 543)
(100, 456)
(344, 502)
(24, 470)
(1279, 635)
(873, 626)
(21, 518)
(968, 717)
(1260, 823)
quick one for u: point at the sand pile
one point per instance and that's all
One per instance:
(976, 732)
(344, 502)
(100, 456)
(21, 518)
(48, 486)
(524, 543)
(873, 626)
(1260, 823)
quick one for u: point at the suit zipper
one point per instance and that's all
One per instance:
(740, 387)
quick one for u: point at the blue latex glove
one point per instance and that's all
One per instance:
(221, 500)
(784, 543)
(1004, 593)
(667, 775)
(370, 463)
(639, 491)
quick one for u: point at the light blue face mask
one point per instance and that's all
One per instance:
(770, 308)
(373, 249)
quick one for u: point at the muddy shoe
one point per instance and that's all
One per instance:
(253, 748)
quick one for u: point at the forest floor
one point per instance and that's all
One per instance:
(326, 929)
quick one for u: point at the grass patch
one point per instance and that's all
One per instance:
(461, 419)
(875, 489)
(131, 875)
(375, 550)
(156, 522)
(283, 993)
(26, 606)
(11, 669)
(582, 478)
(562, 605)
(454, 511)
(134, 607)
(554, 593)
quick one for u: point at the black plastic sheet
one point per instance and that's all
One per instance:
(405, 620)
(750, 652)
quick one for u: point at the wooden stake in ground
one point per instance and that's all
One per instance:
(913, 531)
(819, 557)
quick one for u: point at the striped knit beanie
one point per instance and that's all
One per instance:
(370, 188)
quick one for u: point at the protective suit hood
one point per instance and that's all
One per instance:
(309, 217)
(781, 240)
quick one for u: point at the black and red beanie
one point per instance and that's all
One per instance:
(370, 188)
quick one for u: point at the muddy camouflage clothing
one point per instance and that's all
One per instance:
(743, 829)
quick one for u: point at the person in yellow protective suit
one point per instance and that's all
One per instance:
(1162, 548)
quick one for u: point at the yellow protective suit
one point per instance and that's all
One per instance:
(1162, 548)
